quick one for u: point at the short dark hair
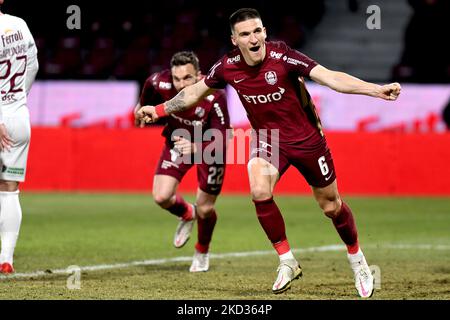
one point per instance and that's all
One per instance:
(183, 58)
(243, 14)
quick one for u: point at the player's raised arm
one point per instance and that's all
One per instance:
(345, 83)
(185, 99)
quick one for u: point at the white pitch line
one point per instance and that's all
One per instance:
(413, 246)
(335, 247)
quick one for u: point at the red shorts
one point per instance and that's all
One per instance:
(315, 162)
(209, 176)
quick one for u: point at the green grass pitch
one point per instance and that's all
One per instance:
(408, 239)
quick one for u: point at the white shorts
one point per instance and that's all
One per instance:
(13, 163)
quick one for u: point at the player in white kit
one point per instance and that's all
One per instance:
(18, 68)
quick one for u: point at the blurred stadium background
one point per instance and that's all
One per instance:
(89, 80)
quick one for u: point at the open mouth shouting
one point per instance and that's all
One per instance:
(255, 48)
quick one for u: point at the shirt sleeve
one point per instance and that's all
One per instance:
(215, 79)
(32, 60)
(298, 63)
(149, 94)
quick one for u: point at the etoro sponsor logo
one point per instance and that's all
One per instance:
(194, 123)
(265, 98)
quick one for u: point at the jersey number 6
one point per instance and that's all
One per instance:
(323, 165)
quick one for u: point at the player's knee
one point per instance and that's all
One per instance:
(162, 199)
(260, 193)
(331, 208)
(205, 210)
(9, 186)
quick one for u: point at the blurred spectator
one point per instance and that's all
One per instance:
(291, 31)
(132, 40)
(100, 58)
(66, 60)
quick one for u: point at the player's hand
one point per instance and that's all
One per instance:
(5, 140)
(137, 119)
(146, 114)
(390, 91)
(184, 146)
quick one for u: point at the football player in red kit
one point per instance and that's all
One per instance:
(210, 113)
(268, 77)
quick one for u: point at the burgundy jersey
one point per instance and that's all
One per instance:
(211, 112)
(271, 92)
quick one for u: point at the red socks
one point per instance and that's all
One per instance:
(346, 227)
(282, 247)
(205, 231)
(272, 222)
(181, 208)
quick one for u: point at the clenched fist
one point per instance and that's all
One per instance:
(390, 91)
(146, 114)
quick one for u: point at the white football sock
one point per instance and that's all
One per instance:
(10, 219)
(355, 256)
(287, 256)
